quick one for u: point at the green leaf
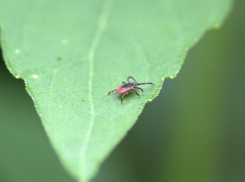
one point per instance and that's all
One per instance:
(71, 53)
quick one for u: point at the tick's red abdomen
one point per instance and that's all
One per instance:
(122, 90)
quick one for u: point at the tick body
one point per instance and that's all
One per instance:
(128, 87)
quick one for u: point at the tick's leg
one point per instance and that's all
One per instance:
(131, 78)
(124, 95)
(111, 91)
(145, 83)
(139, 88)
(135, 92)
(123, 83)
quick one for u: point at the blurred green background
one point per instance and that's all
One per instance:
(193, 131)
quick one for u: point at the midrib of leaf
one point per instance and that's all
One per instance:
(51, 90)
(107, 5)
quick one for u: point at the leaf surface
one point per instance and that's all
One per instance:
(71, 53)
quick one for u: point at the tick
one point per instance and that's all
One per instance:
(128, 87)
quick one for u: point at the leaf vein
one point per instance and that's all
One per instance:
(51, 90)
(99, 32)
